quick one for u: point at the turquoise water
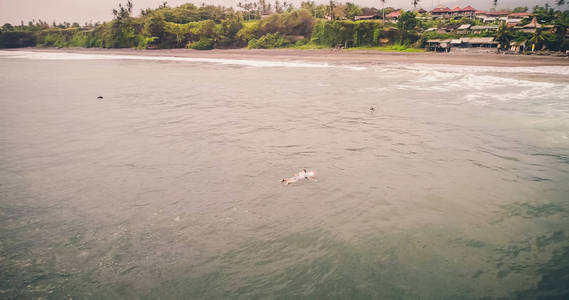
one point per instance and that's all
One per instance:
(455, 187)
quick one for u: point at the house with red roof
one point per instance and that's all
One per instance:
(441, 12)
(455, 13)
(393, 16)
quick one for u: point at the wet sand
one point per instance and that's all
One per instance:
(338, 56)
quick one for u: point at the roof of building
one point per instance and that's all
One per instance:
(518, 15)
(484, 27)
(464, 26)
(518, 43)
(492, 13)
(533, 24)
(394, 14)
(365, 17)
(440, 10)
(456, 9)
(479, 40)
(472, 40)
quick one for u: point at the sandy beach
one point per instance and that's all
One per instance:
(336, 56)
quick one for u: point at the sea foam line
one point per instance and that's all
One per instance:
(556, 70)
(239, 62)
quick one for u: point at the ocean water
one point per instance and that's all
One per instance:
(455, 187)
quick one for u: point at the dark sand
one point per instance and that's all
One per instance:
(338, 56)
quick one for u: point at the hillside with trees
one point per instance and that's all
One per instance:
(262, 24)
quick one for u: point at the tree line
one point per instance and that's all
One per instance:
(258, 24)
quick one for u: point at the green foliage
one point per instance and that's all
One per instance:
(248, 31)
(120, 34)
(7, 27)
(229, 29)
(366, 33)
(360, 33)
(537, 38)
(544, 15)
(564, 46)
(209, 26)
(562, 23)
(268, 41)
(354, 34)
(298, 22)
(204, 43)
(317, 11)
(78, 39)
(17, 39)
(406, 23)
(352, 10)
(331, 33)
(148, 43)
(504, 36)
(552, 41)
(520, 9)
(520, 36)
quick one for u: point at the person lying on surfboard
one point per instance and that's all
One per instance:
(301, 175)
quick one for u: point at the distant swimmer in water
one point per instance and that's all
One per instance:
(371, 109)
(100, 97)
(304, 174)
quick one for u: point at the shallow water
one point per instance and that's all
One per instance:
(457, 186)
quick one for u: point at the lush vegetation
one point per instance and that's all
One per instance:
(266, 25)
(255, 25)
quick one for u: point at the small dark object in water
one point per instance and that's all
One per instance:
(100, 97)
(372, 109)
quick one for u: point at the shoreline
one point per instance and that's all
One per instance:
(360, 57)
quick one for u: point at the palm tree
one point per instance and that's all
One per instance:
(383, 11)
(504, 36)
(562, 23)
(415, 2)
(537, 38)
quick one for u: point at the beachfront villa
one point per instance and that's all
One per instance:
(491, 16)
(455, 13)
(484, 16)
(465, 44)
(512, 19)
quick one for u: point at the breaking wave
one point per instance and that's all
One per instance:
(238, 62)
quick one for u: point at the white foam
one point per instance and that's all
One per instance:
(238, 62)
(557, 70)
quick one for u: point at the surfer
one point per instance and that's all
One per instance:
(304, 174)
